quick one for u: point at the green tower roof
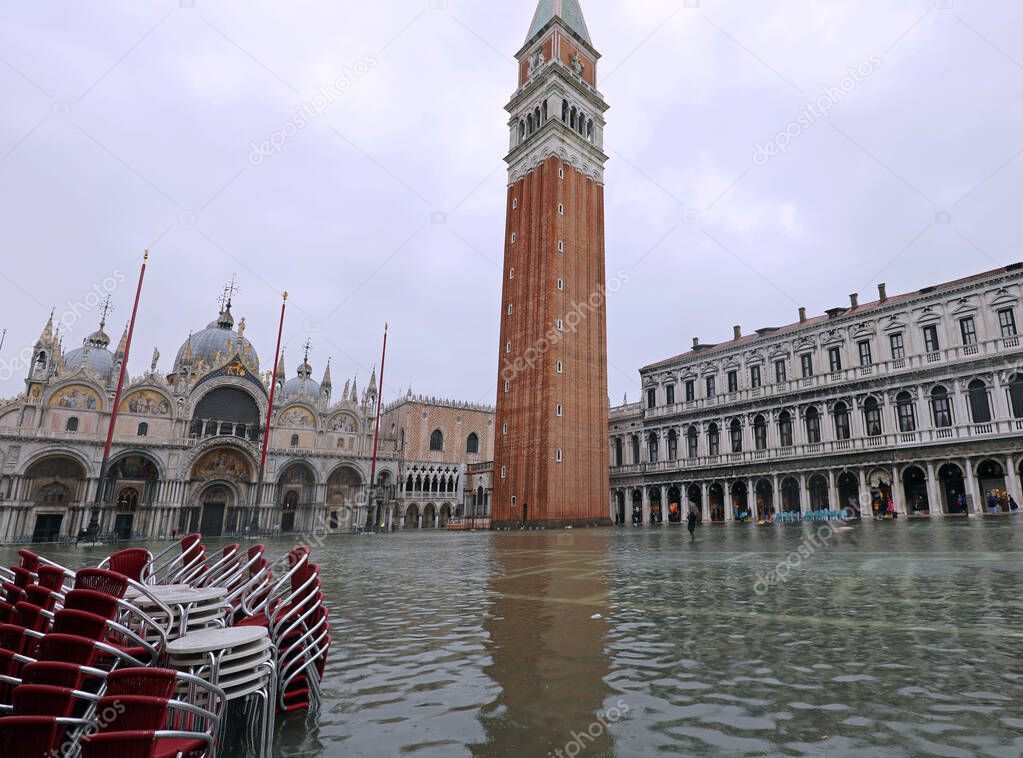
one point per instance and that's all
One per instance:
(567, 10)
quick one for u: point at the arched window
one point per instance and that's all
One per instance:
(472, 444)
(813, 425)
(785, 428)
(736, 434)
(980, 403)
(572, 118)
(529, 123)
(843, 429)
(906, 412)
(564, 111)
(72, 424)
(437, 440)
(143, 430)
(760, 433)
(1016, 396)
(536, 117)
(294, 440)
(634, 443)
(41, 360)
(409, 484)
(589, 130)
(942, 407)
(652, 447)
(872, 417)
(672, 445)
(544, 107)
(522, 130)
(713, 440)
(692, 442)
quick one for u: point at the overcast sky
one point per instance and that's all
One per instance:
(129, 125)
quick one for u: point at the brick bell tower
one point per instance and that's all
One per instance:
(551, 448)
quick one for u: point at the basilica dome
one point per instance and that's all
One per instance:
(217, 343)
(303, 384)
(92, 355)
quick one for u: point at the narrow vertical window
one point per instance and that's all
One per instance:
(968, 328)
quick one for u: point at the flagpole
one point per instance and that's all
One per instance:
(93, 529)
(269, 411)
(376, 433)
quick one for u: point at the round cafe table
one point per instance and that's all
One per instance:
(241, 660)
(193, 609)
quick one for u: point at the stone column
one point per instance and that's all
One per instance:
(776, 502)
(664, 504)
(833, 501)
(865, 505)
(898, 496)
(933, 495)
(646, 505)
(971, 488)
(729, 513)
(751, 499)
(1012, 478)
(804, 493)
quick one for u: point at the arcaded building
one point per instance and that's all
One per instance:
(188, 439)
(915, 399)
(550, 455)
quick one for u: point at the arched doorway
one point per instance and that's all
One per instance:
(764, 500)
(344, 488)
(849, 493)
(674, 505)
(656, 516)
(444, 516)
(214, 502)
(694, 501)
(991, 477)
(914, 483)
(790, 502)
(56, 483)
(637, 507)
(820, 498)
(220, 465)
(953, 489)
(740, 501)
(619, 507)
(412, 517)
(717, 502)
(297, 487)
(881, 499)
(131, 483)
(430, 517)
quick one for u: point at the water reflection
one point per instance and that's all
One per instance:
(546, 640)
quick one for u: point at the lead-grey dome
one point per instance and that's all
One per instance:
(302, 384)
(216, 343)
(97, 359)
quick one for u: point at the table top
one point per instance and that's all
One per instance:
(183, 595)
(214, 640)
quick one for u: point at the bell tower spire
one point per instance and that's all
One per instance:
(551, 463)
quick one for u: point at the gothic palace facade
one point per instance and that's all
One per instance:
(914, 399)
(187, 444)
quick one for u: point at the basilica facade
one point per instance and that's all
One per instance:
(187, 444)
(911, 402)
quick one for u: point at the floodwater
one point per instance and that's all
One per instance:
(890, 639)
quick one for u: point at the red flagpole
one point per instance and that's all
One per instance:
(376, 433)
(270, 405)
(94, 520)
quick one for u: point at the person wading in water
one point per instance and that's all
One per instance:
(691, 522)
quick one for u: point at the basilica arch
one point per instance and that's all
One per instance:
(55, 483)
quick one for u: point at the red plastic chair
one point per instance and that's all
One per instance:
(80, 624)
(23, 577)
(92, 601)
(13, 593)
(31, 617)
(6, 612)
(52, 577)
(101, 580)
(47, 700)
(31, 736)
(41, 596)
(29, 560)
(132, 563)
(60, 674)
(146, 744)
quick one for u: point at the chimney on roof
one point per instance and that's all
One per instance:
(802, 315)
(737, 331)
(696, 342)
(882, 291)
(854, 300)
